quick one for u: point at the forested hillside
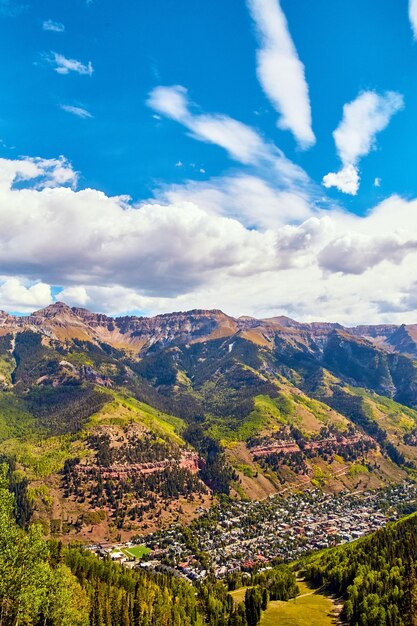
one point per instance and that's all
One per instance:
(43, 583)
(375, 576)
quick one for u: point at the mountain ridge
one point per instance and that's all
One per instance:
(142, 333)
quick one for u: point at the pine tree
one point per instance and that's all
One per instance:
(253, 605)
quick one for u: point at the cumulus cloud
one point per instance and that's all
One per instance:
(55, 27)
(246, 197)
(111, 300)
(68, 237)
(280, 71)
(354, 253)
(65, 66)
(198, 248)
(347, 179)
(41, 173)
(345, 243)
(15, 295)
(298, 245)
(355, 137)
(78, 111)
(412, 13)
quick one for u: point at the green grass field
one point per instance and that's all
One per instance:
(137, 551)
(238, 595)
(312, 610)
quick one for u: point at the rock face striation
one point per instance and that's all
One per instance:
(144, 334)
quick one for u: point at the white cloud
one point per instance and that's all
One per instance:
(55, 27)
(347, 179)
(377, 182)
(170, 101)
(71, 238)
(412, 13)
(297, 245)
(15, 295)
(346, 243)
(242, 142)
(75, 296)
(78, 111)
(280, 71)
(363, 118)
(239, 140)
(65, 66)
(248, 198)
(196, 247)
(110, 300)
(354, 253)
(42, 173)
(355, 137)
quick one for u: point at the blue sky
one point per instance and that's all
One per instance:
(346, 47)
(222, 109)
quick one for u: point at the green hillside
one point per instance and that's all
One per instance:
(257, 415)
(375, 575)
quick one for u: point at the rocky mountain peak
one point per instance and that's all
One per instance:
(139, 334)
(53, 310)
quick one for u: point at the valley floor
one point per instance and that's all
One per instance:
(243, 536)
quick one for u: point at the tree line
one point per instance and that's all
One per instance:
(43, 583)
(376, 576)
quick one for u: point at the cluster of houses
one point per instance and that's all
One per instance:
(243, 536)
(116, 552)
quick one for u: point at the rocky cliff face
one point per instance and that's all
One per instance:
(141, 334)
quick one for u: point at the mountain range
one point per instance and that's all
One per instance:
(141, 334)
(118, 425)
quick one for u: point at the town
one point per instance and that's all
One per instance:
(241, 536)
